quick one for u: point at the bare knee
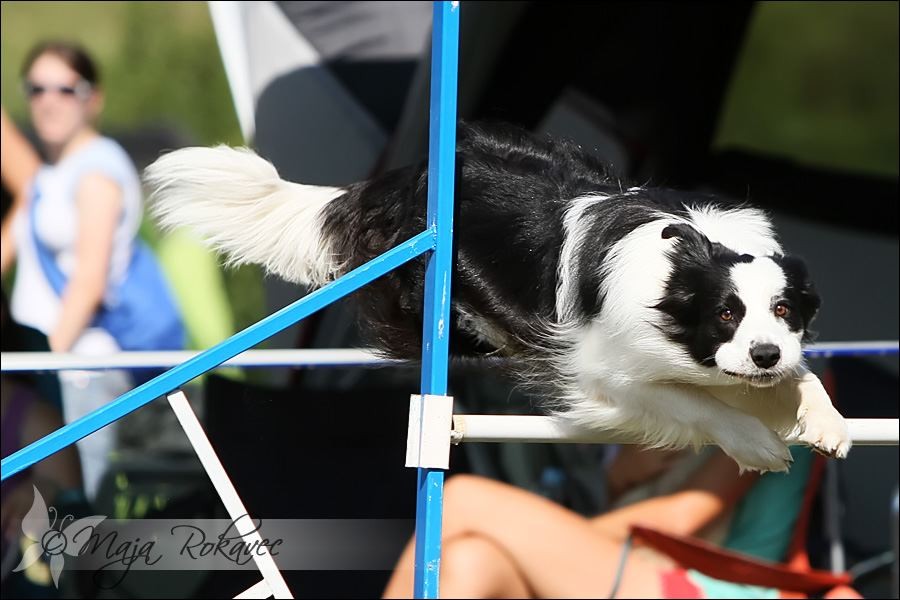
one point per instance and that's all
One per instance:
(467, 554)
(474, 566)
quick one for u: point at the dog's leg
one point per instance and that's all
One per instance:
(819, 424)
(679, 415)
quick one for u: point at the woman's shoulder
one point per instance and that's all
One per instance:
(111, 149)
(106, 156)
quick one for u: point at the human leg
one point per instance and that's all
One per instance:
(525, 540)
(472, 566)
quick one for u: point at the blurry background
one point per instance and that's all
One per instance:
(816, 83)
(791, 105)
(165, 88)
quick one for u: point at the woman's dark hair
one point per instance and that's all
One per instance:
(70, 53)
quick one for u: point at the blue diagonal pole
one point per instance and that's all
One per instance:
(436, 323)
(209, 359)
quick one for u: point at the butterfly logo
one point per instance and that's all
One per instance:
(68, 538)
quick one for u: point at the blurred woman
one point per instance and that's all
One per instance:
(75, 237)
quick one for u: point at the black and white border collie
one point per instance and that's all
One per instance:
(668, 316)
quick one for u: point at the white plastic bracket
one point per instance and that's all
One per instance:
(428, 436)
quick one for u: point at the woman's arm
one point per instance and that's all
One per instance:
(713, 489)
(634, 465)
(99, 204)
(18, 164)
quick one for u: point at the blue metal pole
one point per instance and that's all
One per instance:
(830, 349)
(436, 323)
(203, 362)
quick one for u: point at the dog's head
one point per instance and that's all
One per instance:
(739, 315)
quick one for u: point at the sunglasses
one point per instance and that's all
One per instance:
(81, 90)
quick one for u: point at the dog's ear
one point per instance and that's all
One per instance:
(801, 288)
(679, 230)
(691, 240)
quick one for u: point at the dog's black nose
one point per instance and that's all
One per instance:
(765, 355)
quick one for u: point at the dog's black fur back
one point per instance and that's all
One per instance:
(512, 190)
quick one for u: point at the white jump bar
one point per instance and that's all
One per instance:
(52, 361)
(336, 357)
(536, 429)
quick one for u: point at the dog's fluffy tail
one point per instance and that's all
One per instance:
(236, 202)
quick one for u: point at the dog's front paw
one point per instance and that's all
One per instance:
(826, 432)
(754, 447)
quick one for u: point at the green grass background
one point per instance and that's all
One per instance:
(817, 82)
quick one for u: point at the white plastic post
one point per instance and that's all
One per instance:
(227, 492)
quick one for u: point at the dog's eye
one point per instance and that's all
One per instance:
(726, 314)
(781, 310)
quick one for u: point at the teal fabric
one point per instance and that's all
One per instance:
(764, 520)
(716, 588)
(763, 525)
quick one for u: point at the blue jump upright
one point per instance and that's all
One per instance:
(436, 321)
(437, 240)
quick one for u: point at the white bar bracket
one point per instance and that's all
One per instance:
(428, 436)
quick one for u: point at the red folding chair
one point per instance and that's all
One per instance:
(795, 577)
